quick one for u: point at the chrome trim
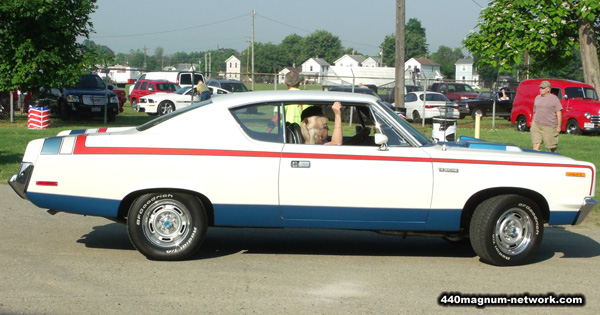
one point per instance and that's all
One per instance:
(588, 206)
(20, 181)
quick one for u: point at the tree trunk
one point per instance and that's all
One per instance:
(589, 54)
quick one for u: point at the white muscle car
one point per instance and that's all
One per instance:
(233, 162)
(163, 103)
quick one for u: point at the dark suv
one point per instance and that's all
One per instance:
(90, 96)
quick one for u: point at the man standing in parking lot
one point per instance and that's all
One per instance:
(547, 119)
(293, 112)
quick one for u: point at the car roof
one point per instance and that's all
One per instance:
(233, 99)
(422, 92)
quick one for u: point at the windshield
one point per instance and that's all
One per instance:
(91, 82)
(171, 115)
(408, 127)
(183, 90)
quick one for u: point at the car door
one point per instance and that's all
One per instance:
(356, 186)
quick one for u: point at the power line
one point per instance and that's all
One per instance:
(174, 30)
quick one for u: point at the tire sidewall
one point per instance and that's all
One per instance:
(530, 208)
(187, 247)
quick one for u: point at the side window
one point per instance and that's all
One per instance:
(260, 121)
(144, 86)
(137, 85)
(151, 87)
(556, 92)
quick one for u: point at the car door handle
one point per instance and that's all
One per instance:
(300, 164)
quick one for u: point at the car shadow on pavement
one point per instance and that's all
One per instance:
(221, 242)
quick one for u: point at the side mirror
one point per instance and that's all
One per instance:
(381, 140)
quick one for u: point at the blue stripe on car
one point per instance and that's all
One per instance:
(562, 217)
(77, 132)
(81, 205)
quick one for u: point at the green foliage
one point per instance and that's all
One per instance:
(323, 44)
(415, 43)
(38, 42)
(547, 29)
(447, 58)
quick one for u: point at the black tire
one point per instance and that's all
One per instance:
(416, 117)
(572, 127)
(134, 105)
(477, 111)
(522, 123)
(166, 226)
(506, 230)
(165, 107)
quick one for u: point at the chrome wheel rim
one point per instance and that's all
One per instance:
(514, 230)
(167, 223)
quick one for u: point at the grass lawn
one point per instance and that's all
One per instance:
(15, 136)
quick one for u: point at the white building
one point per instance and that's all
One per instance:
(233, 68)
(350, 61)
(314, 69)
(372, 62)
(428, 71)
(466, 72)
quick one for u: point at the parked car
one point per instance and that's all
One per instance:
(213, 165)
(147, 87)
(229, 85)
(162, 103)
(454, 91)
(483, 105)
(182, 78)
(120, 95)
(89, 97)
(435, 105)
(581, 107)
(368, 91)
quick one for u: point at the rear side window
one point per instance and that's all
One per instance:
(260, 121)
(144, 86)
(185, 78)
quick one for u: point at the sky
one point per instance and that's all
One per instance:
(196, 25)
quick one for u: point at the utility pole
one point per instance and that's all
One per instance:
(399, 81)
(144, 57)
(253, 13)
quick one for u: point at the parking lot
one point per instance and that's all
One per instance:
(67, 264)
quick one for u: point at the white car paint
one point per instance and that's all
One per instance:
(436, 105)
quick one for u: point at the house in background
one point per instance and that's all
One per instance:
(314, 69)
(233, 68)
(350, 61)
(286, 70)
(466, 72)
(429, 71)
(372, 62)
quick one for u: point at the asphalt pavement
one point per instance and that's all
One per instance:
(71, 264)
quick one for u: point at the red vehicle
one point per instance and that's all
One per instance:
(147, 87)
(454, 91)
(581, 107)
(120, 94)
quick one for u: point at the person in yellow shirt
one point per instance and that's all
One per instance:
(293, 112)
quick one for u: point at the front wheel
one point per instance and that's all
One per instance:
(522, 123)
(134, 105)
(166, 226)
(165, 108)
(506, 230)
(572, 127)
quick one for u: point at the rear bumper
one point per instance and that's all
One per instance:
(20, 181)
(588, 206)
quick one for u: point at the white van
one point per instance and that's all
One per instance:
(183, 78)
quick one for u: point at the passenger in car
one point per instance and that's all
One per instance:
(315, 129)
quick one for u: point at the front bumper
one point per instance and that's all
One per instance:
(20, 181)
(588, 205)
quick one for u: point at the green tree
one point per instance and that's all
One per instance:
(415, 43)
(38, 42)
(323, 44)
(547, 30)
(292, 47)
(269, 58)
(447, 58)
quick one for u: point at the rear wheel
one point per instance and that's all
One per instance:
(416, 117)
(166, 226)
(476, 112)
(572, 127)
(506, 230)
(522, 123)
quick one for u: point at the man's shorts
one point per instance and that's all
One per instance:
(544, 134)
